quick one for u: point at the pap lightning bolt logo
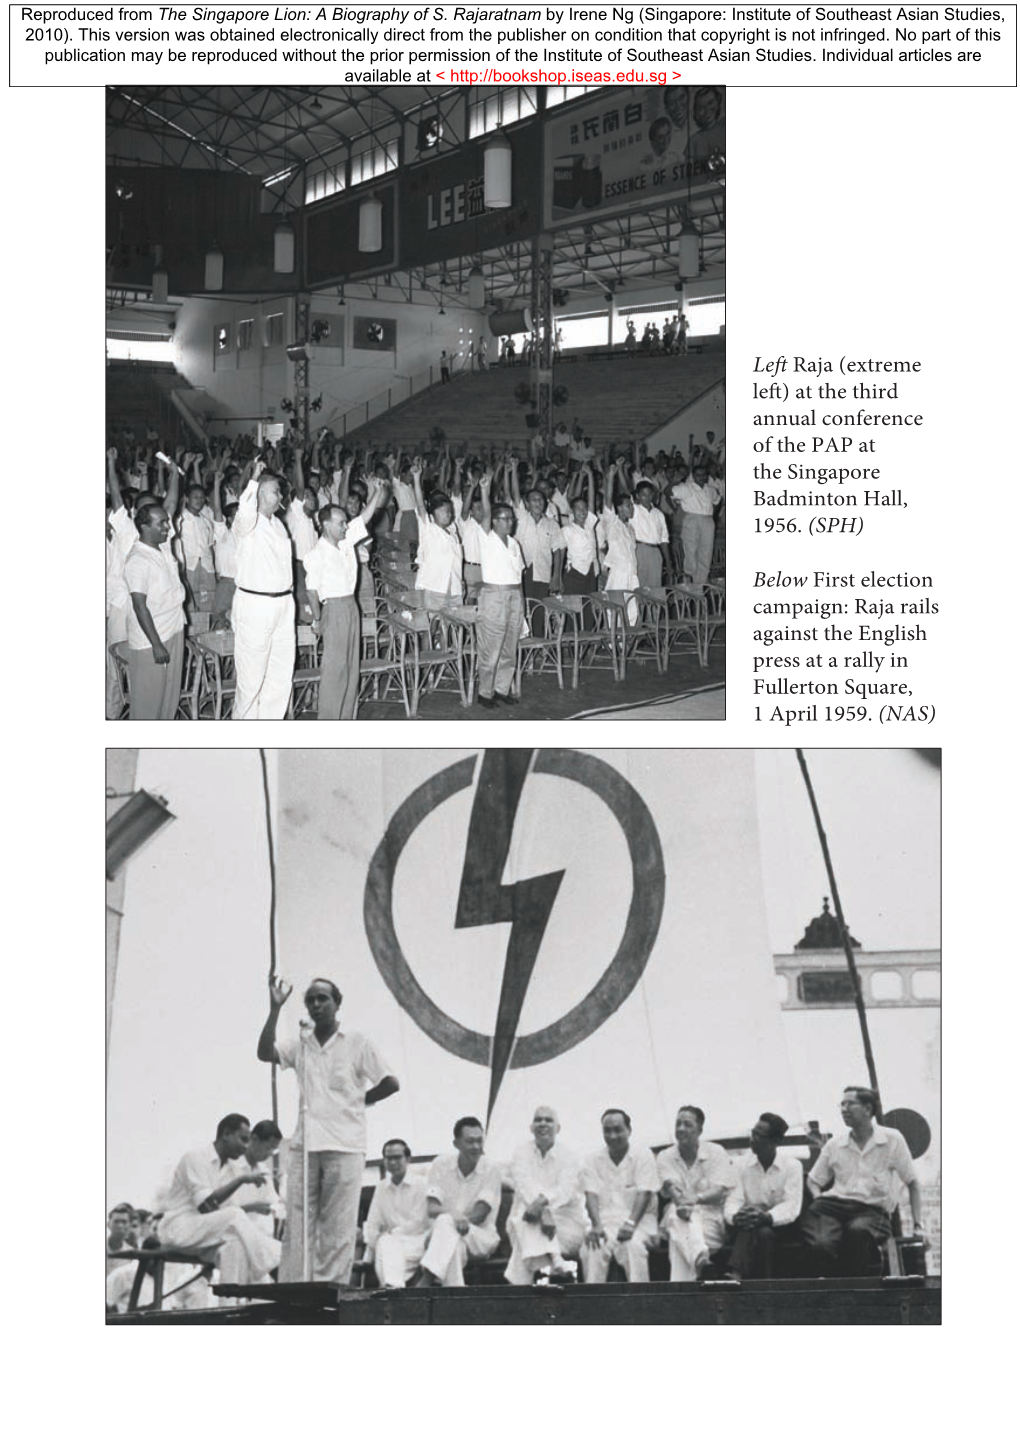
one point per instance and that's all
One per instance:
(485, 899)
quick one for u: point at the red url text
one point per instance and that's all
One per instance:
(557, 78)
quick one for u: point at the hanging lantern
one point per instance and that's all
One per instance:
(214, 269)
(498, 158)
(689, 251)
(160, 280)
(283, 247)
(476, 288)
(370, 225)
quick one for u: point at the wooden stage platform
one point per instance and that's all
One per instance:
(907, 1301)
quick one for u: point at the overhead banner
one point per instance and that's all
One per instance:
(442, 201)
(632, 144)
(515, 927)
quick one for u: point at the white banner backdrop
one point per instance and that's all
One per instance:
(612, 945)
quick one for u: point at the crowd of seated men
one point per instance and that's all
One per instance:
(570, 1216)
(183, 543)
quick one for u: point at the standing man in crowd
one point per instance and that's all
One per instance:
(698, 497)
(765, 1202)
(155, 623)
(331, 577)
(500, 606)
(201, 1211)
(547, 1218)
(339, 1075)
(854, 1189)
(263, 608)
(620, 1185)
(651, 536)
(398, 1220)
(464, 1192)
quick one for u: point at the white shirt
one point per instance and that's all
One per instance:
(582, 545)
(712, 1170)
(621, 551)
(403, 494)
(779, 1188)
(440, 558)
(155, 574)
(302, 528)
(502, 563)
(224, 550)
(197, 1175)
(457, 1194)
(332, 1078)
(258, 1194)
(331, 570)
(470, 532)
(538, 540)
(195, 532)
(264, 558)
(865, 1175)
(117, 550)
(650, 525)
(695, 499)
(556, 1175)
(618, 1185)
(397, 1208)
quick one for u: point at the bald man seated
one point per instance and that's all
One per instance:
(546, 1224)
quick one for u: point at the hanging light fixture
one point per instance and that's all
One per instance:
(498, 160)
(160, 280)
(689, 250)
(214, 269)
(476, 288)
(370, 225)
(283, 246)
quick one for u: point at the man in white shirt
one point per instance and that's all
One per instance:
(440, 575)
(541, 542)
(546, 1222)
(155, 623)
(398, 1219)
(334, 1071)
(331, 577)
(651, 535)
(698, 497)
(261, 1201)
(854, 1189)
(196, 545)
(464, 1192)
(500, 605)
(764, 1203)
(201, 1211)
(263, 610)
(621, 545)
(619, 1184)
(696, 1178)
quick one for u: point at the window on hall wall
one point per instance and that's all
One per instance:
(138, 348)
(556, 95)
(501, 108)
(324, 183)
(245, 331)
(274, 330)
(706, 316)
(375, 162)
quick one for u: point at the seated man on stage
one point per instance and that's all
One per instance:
(853, 1189)
(261, 1201)
(199, 1215)
(764, 1203)
(398, 1220)
(464, 1191)
(547, 1219)
(695, 1178)
(619, 1184)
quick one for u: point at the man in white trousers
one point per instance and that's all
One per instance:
(339, 1075)
(200, 1215)
(464, 1192)
(696, 1179)
(398, 1219)
(546, 1223)
(619, 1184)
(262, 614)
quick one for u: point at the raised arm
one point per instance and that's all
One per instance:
(485, 485)
(279, 992)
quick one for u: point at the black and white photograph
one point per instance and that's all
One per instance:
(525, 1036)
(461, 349)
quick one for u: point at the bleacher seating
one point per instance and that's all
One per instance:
(615, 398)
